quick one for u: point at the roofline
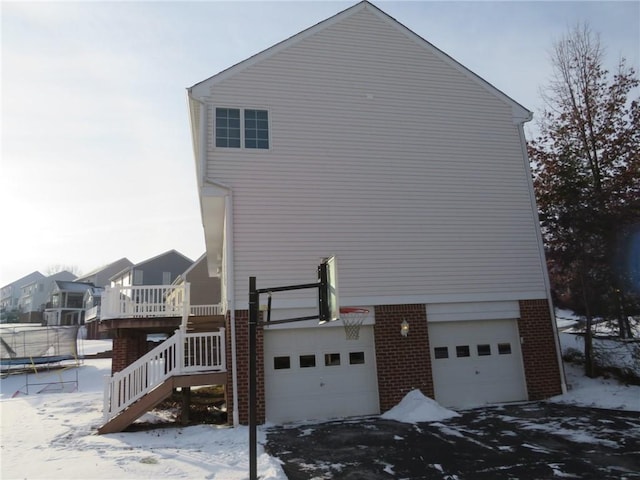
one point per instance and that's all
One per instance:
(526, 114)
(183, 275)
(104, 267)
(520, 113)
(195, 90)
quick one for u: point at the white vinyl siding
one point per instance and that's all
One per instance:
(381, 153)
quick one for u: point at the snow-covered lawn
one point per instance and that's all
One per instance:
(52, 435)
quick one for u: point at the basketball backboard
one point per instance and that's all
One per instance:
(328, 303)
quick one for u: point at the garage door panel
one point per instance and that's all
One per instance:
(476, 362)
(318, 374)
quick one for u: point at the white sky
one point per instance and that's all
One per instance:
(97, 161)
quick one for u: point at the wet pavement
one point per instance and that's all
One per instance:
(528, 441)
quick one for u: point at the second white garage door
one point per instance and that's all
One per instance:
(476, 362)
(315, 373)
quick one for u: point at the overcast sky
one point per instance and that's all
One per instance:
(97, 161)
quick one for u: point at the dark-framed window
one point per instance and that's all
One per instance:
(235, 127)
(484, 350)
(256, 129)
(504, 349)
(462, 351)
(356, 358)
(441, 352)
(281, 363)
(228, 127)
(307, 361)
(331, 359)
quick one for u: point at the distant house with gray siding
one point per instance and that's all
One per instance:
(101, 277)
(162, 269)
(10, 296)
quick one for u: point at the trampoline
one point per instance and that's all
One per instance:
(26, 349)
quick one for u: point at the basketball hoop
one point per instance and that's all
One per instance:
(352, 319)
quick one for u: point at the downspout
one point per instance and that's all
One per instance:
(227, 253)
(545, 271)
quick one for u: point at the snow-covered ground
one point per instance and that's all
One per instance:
(52, 435)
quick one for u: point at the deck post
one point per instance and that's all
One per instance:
(186, 405)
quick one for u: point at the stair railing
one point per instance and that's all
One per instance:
(182, 353)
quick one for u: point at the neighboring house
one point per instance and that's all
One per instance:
(35, 295)
(10, 296)
(159, 270)
(66, 303)
(360, 139)
(204, 291)
(92, 301)
(135, 288)
(101, 277)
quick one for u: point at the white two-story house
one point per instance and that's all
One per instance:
(358, 138)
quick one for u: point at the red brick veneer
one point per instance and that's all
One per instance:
(539, 350)
(242, 356)
(403, 363)
(128, 346)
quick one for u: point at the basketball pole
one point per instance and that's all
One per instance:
(254, 305)
(254, 299)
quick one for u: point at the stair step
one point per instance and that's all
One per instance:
(157, 395)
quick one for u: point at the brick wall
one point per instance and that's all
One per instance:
(242, 355)
(128, 346)
(539, 350)
(403, 363)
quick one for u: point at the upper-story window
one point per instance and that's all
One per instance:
(228, 127)
(256, 129)
(254, 135)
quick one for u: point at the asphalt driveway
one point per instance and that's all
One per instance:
(531, 441)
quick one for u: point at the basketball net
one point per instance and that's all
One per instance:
(352, 319)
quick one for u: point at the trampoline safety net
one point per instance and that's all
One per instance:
(38, 345)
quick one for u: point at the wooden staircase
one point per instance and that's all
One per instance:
(154, 397)
(183, 360)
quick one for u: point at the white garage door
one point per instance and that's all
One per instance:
(315, 373)
(476, 362)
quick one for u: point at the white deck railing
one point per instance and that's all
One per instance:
(205, 310)
(182, 353)
(145, 301)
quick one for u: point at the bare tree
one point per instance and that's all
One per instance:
(57, 268)
(586, 165)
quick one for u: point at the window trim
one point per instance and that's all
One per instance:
(242, 146)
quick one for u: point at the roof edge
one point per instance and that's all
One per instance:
(520, 113)
(199, 89)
